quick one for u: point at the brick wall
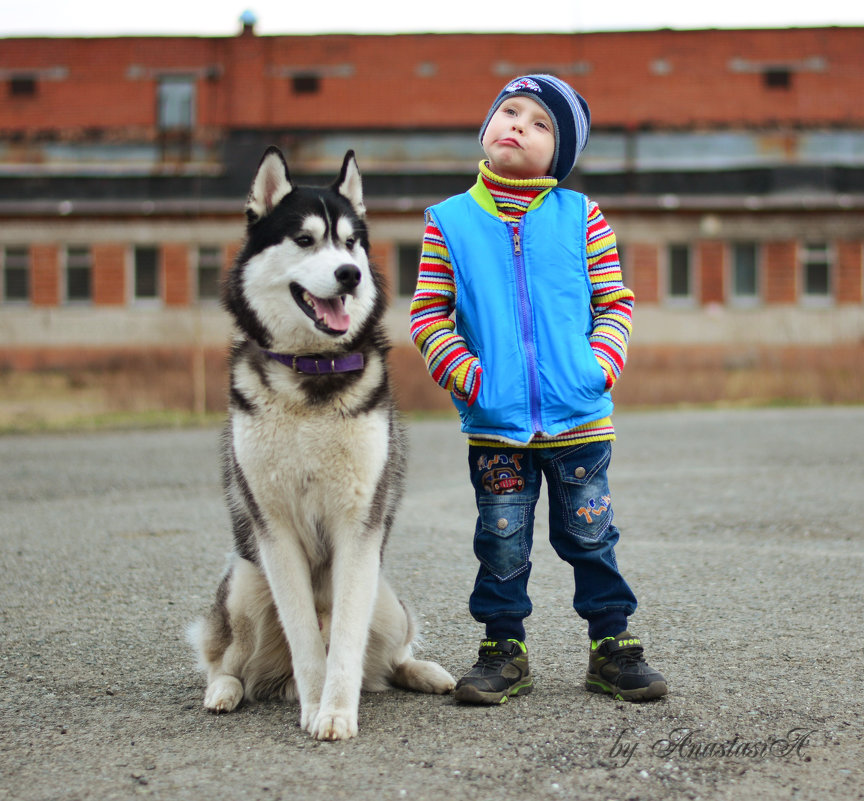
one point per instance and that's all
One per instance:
(645, 271)
(659, 78)
(382, 255)
(44, 275)
(109, 274)
(850, 272)
(710, 263)
(231, 252)
(780, 263)
(176, 275)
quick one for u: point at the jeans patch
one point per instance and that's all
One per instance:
(500, 473)
(594, 509)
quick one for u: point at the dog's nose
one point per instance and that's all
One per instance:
(348, 276)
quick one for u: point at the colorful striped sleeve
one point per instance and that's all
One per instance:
(611, 300)
(433, 332)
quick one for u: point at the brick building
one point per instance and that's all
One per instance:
(730, 163)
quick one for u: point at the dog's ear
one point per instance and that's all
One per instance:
(271, 184)
(350, 185)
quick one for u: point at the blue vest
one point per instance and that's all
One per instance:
(523, 306)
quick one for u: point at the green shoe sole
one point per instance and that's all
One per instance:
(469, 694)
(656, 689)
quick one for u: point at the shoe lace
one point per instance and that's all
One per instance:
(627, 657)
(492, 658)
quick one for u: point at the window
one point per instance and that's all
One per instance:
(176, 103)
(816, 267)
(306, 84)
(777, 78)
(15, 278)
(680, 280)
(209, 273)
(79, 274)
(22, 86)
(407, 264)
(146, 278)
(745, 272)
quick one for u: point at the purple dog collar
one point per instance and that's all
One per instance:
(312, 366)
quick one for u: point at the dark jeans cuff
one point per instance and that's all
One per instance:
(505, 628)
(607, 624)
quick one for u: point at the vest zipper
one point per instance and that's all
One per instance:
(526, 326)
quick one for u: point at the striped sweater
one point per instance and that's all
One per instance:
(448, 359)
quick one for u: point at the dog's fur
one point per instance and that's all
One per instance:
(313, 468)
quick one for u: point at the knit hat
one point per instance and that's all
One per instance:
(568, 110)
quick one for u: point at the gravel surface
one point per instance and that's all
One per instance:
(741, 535)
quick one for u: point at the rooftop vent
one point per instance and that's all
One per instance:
(248, 20)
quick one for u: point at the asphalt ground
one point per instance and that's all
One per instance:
(741, 535)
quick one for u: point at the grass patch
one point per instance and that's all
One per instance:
(110, 421)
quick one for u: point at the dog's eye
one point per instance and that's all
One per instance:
(350, 242)
(304, 241)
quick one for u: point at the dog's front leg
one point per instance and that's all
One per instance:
(356, 565)
(287, 571)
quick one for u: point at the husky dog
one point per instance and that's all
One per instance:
(313, 459)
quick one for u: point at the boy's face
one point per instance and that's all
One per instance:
(520, 139)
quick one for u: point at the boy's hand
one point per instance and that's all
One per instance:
(466, 381)
(607, 370)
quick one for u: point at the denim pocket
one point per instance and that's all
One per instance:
(500, 541)
(583, 491)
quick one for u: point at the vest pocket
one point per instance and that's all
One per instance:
(469, 414)
(595, 376)
(501, 540)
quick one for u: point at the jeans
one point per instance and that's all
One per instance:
(507, 483)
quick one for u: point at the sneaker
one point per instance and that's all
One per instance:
(500, 672)
(616, 666)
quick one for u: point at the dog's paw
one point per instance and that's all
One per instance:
(423, 677)
(223, 694)
(334, 725)
(308, 713)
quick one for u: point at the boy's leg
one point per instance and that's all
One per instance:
(506, 486)
(582, 533)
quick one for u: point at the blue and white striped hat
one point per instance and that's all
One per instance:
(566, 107)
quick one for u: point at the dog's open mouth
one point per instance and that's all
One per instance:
(328, 314)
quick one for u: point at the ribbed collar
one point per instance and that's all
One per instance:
(537, 184)
(513, 197)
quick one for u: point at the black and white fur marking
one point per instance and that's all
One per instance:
(313, 468)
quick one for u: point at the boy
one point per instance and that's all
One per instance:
(542, 322)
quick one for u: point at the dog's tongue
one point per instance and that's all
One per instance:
(332, 312)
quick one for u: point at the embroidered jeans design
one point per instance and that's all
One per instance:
(580, 529)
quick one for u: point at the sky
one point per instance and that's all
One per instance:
(221, 17)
